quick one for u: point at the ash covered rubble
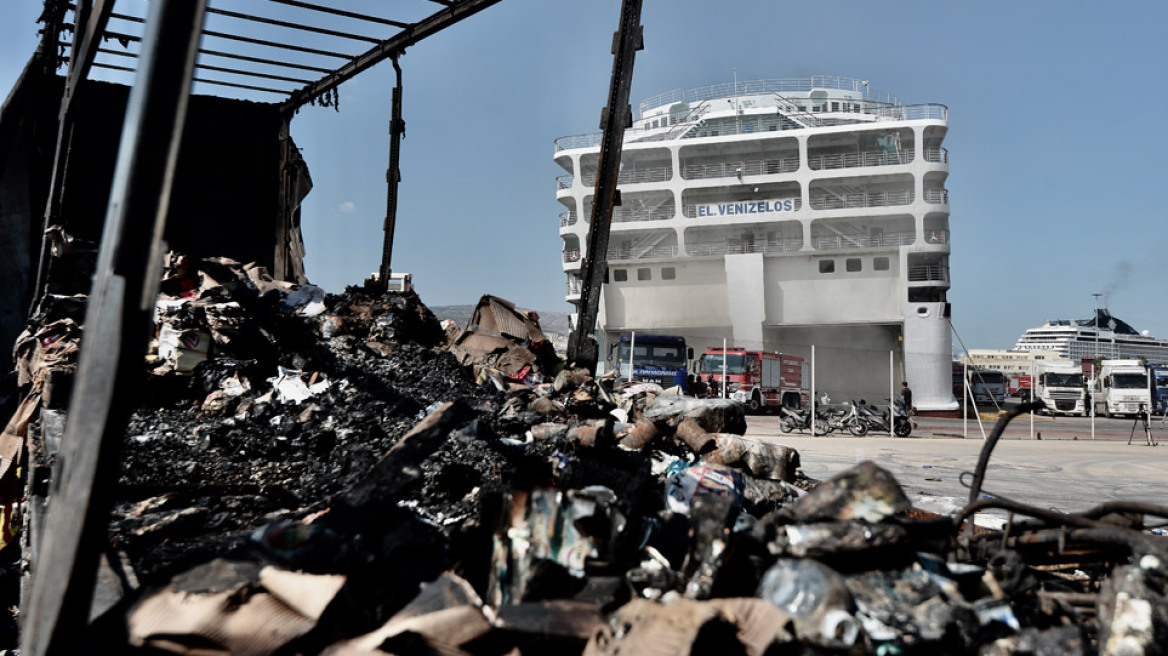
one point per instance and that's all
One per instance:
(339, 475)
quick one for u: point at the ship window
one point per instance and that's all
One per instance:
(827, 266)
(926, 295)
(835, 107)
(773, 128)
(852, 264)
(644, 274)
(620, 275)
(713, 133)
(880, 263)
(668, 273)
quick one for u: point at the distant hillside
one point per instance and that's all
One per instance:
(554, 324)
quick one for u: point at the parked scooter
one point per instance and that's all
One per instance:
(877, 420)
(841, 418)
(902, 423)
(800, 420)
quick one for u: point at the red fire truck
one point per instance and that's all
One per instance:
(1020, 385)
(757, 378)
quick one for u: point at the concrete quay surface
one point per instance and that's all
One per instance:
(1064, 470)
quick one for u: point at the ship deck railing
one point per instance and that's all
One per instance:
(755, 87)
(937, 196)
(937, 155)
(862, 199)
(741, 167)
(630, 215)
(928, 273)
(648, 252)
(740, 247)
(855, 160)
(762, 167)
(861, 240)
(633, 176)
(867, 114)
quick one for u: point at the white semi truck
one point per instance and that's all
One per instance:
(1121, 388)
(1060, 386)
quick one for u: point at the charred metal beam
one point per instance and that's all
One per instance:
(237, 71)
(117, 327)
(222, 83)
(292, 26)
(1053, 517)
(233, 37)
(226, 55)
(86, 42)
(261, 60)
(583, 349)
(114, 67)
(274, 44)
(1103, 536)
(342, 12)
(238, 85)
(386, 49)
(1110, 507)
(53, 18)
(983, 459)
(93, 18)
(397, 128)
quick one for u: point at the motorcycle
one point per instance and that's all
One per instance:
(874, 418)
(848, 418)
(877, 420)
(902, 424)
(800, 419)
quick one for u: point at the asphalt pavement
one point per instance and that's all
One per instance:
(1054, 465)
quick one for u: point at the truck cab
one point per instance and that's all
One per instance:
(661, 359)
(1159, 380)
(1060, 386)
(1122, 387)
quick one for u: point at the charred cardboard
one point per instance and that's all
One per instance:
(502, 337)
(228, 607)
(445, 615)
(682, 627)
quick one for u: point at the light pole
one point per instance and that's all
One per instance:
(1095, 363)
(1096, 295)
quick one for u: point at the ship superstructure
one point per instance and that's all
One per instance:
(779, 215)
(1103, 335)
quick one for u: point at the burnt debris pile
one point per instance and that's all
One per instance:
(309, 473)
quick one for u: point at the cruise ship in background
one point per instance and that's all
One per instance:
(779, 215)
(1105, 335)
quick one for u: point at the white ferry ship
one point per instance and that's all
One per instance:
(779, 215)
(1105, 335)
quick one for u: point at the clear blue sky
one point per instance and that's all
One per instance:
(1057, 138)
